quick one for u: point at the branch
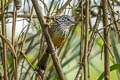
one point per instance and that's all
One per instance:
(84, 61)
(106, 37)
(48, 39)
(63, 7)
(9, 44)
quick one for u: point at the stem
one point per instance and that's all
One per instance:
(4, 45)
(13, 36)
(86, 42)
(106, 37)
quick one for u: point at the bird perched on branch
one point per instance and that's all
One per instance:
(58, 31)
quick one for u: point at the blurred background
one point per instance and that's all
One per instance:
(29, 38)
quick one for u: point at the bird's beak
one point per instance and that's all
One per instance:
(76, 22)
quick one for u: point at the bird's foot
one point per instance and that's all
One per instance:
(53, 51)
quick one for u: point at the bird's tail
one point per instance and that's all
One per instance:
(42, 64)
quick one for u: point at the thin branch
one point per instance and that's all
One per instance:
(63, 7)
(105, 43)
(114, 19)
(25, 37)
(85, 63)
(93, 35)
(9, 45)
(9, 15)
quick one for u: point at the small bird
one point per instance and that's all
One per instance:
(58, 31)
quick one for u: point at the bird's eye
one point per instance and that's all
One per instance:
(68, 19)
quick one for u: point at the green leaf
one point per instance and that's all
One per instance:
(113, 67)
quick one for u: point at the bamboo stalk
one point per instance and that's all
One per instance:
(106, 37)
(4, 44)
(14, 76)
(85, 63)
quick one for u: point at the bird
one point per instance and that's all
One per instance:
(58, 31)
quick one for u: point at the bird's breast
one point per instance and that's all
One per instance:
(58, 35)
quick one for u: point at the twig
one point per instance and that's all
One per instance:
(10, 45)
(113, 19)
(93, 35)
(105, 43)
(25, 37)
(63, 7)
(27, 61)
(84, 60)
(79, 74)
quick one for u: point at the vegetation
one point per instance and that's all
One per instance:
(91, 50)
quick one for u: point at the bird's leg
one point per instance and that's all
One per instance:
(42, 64)
(53, 51)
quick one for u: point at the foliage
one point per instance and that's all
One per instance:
(28, 44)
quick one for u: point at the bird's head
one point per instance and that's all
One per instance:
(66, 20)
